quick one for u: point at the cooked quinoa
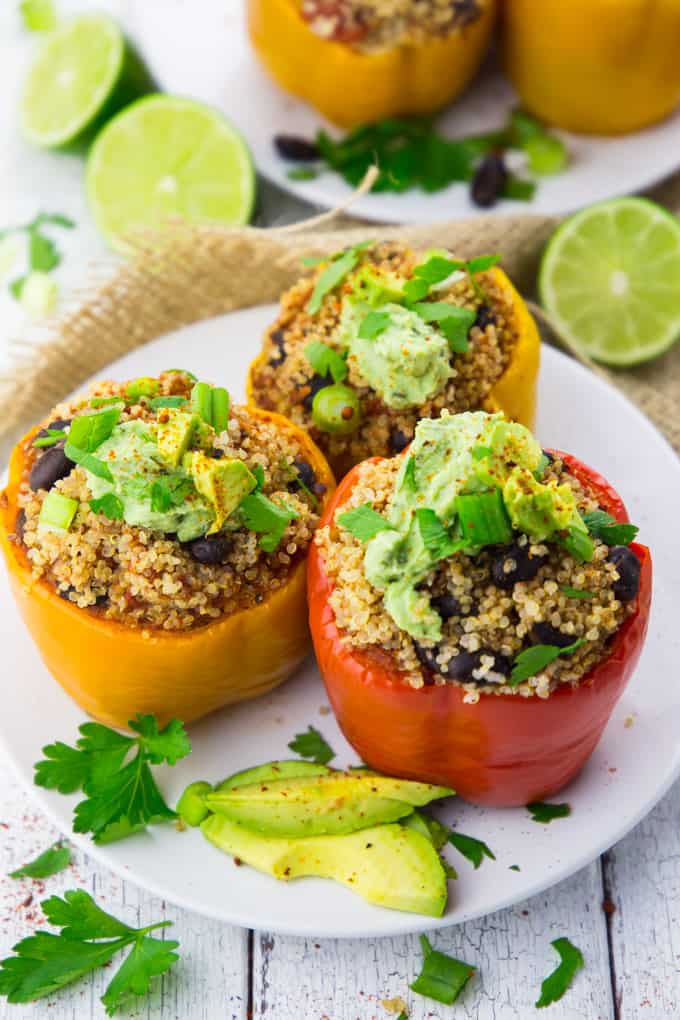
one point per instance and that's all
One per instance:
(488, 625)
(369, 25)
(284, 381)
(145, 578)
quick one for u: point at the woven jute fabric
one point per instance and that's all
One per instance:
(188, 274)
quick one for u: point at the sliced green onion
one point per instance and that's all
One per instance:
(578, 544)
(159, 402)
(38, 294)
(201, 401)
(57, 512)
(484, 519)
(144, 387)
(220, 409)
(180, 371)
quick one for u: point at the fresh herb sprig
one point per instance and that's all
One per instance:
(50, 862)
(532, 660)
(442, 977)
(43, 254)
(89, 938)
(557, 983)
(339, 267)
(545, 813)
(364, 522)
(114, 772)
(475, 850)
(605, 527)
(312, 745)
(269, 519)
(326, 360)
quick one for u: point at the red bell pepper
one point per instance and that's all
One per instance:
(504, 750)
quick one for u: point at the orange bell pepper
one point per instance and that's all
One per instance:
(114, 671)
(505, 750)
(597, 66)
(351, 87)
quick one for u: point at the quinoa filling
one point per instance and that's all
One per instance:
(378, 24)
(493, 605)
(191, 517)
(401, 336)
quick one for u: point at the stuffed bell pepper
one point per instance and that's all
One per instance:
(156, 540)
(358, 61)
(380, 336)
(477, 607)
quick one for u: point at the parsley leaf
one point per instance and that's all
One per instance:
(363, 522)
(326, 360)
(605, 527)
(442, 977)
(334, 274)
(473, 849)
(557, 983)
(436, 539)
(576, 593)
(270, 519)
(120, 798)
(374, 324)
(45, 962)
(109, 505)
(546, 813)
(532, 660)
(48, 863)
(312, 745)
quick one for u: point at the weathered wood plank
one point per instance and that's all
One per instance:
(209, 982)
(350, 980)
(642, 879)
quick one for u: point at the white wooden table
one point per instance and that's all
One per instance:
(632, 954)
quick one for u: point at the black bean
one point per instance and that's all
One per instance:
(548, 456)
(488, 181)
(447, 606)
(305, 474)
(543, 633)
(58, 425)
(462, 666)
(514, 563)
(301, 150)
(628, 567)
(52, 465)
(319, 488)
(398, 440)
(485, 317)
(211, 549)
(316, 383)
(278, 338)
(216, 453)
(20, 525)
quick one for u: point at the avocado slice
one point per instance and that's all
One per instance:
(389, 865)
(223, 483)
(175, 435)
(338, 803)
(429, 827)
(273, 770)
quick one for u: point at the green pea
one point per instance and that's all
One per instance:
(336, 410)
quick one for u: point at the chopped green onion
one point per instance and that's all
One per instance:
(158, 402)
(578, 544)
(201, 401)
(57, 512)
(144, 387)
(484, 519)
(97, 402)
(442, 977)
(180, 371)
(438, 541)
(220, 409)
(53, 436)
(38, 295)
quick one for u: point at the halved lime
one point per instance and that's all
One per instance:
(610, 280)
(84, 73)
(166, 157)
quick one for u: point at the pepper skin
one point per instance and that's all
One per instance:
(351, 88)
(504, 751)
(114, 671)
(594, 66)
(514, 393)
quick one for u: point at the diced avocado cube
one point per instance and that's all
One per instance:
(57, 512)
(176, 434)
(223, 483)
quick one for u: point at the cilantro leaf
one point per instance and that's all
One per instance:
(437, 268)
(89, 939)
(374, 324)
(605, 527)
(416, 289)
(312, 745)
(269, 519)
(363, 522)
(557, 983)
(454, 322)
(442, 977)
(121, 794)
(93, 464)
(409, 477)
(43, 254)
(168, 491)
(50, 862)
(532, 660)
(109, 505)
(576, 593)
(546, 813)
(436, 539)
(481, 263)
(88, 431)
(326, 360)
(473, 849)
(334, 274)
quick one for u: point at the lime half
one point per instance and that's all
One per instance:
(610, 280)
(83, 73)
(166, 157)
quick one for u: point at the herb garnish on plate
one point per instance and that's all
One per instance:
(49, 862)
(312, 745)
(557, 983)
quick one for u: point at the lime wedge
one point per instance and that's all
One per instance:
(84, 73)
(166, 157)
(610, 280)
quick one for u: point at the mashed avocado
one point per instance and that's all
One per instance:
(455, 456)
(407, 363)
(131, 454)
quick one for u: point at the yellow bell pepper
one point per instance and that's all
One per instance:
(596, 66)
(114, 671)
(350, 87)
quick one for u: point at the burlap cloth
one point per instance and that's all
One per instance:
(191, 274)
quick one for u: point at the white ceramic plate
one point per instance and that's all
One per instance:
(209, 58)
(629, 772)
